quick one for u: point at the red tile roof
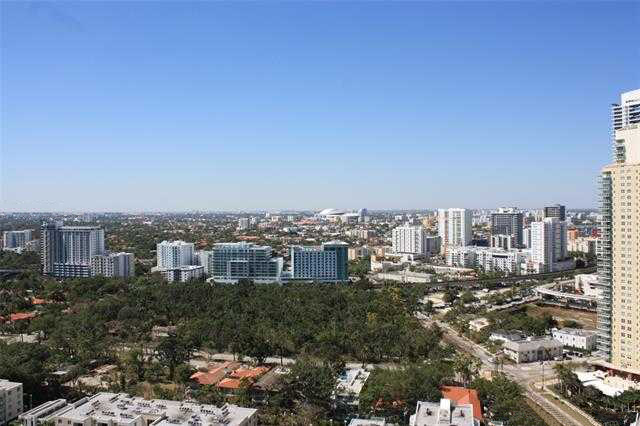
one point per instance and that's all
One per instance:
(464, 396)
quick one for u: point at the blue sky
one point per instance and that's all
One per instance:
(125, 106)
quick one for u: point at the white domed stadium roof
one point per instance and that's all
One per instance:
(330, 212)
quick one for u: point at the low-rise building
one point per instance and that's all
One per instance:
(576, 338)
(444, 413)
(123, 410)
(10, 401)
(534, 349)
(506, 336)
(350, 384)
(181, 274)
(42, 413)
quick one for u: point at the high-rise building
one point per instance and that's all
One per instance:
(243, 223)
(66, 251)
(619, 252)
(172, 254)
(454, 227)
(414, 240)
(508, 221)
(16, 240)
(113, 265)
(549, 245)
(231, 262)
(557, 211)
(526, 238)
(326, 263)
(202, 258)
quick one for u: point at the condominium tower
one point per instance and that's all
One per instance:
(414, 240)
(66, 251)
(454, 227)
(120, 265)
(16, 239)
(508, 221)
(557, 210)
(326, 263)
(173, 254)
(549, 245)
(230, 262)
(619, 257)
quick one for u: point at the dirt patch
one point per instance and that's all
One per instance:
(585, 318)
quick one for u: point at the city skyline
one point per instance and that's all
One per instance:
(331, 105)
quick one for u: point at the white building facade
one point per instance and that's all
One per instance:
(549, 245)
(454, 227)
(113, 265)
(66, 251)
(172, 254)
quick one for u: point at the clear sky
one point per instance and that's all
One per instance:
(157, 105)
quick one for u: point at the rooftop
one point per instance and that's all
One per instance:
(460, 396)
(123, 409)
(446, 413)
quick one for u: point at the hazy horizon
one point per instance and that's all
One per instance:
(174, 107)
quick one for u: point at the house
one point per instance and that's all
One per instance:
(350, 384)
(10, 401)
(462, 396)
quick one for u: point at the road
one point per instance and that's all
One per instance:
(526, 375)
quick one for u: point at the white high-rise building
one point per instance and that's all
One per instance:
(413, 240)
(173, 254)
(66, 251)
(549, 245)
(202, 258)
(113, 265)
(454, 227)
(243, 223)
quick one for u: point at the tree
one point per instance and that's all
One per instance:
(450, 295)
(466, 367)
(310, 382)
(173, 351)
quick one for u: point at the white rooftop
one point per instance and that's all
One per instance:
(123, 409)
(444, 413)
(352, 380)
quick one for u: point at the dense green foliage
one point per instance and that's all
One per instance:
(503, 400)
(394, 393)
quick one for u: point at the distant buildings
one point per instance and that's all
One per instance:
(16, 241)
(113, 265)
(510, 222)
(454, 228)
(231, 262)
(549, 245)
(326, 263)
(66, 251)
(10, 401)
(414, 240)
(121, 409)
(557, 211)
(489, 259)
